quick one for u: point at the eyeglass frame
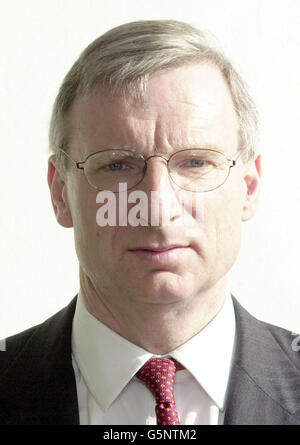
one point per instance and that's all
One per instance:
(232, 161)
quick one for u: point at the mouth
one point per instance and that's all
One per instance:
(159, 255)
(159, 248)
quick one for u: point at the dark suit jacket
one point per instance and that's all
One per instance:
(37, 382)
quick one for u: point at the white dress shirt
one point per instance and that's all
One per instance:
(105, 365)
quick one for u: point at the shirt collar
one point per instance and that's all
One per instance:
(108, 361)
(208, 355)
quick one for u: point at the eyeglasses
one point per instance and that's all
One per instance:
(196, 170)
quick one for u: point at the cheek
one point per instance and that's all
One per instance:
(223, 221)
(83, 208)
(83, 204)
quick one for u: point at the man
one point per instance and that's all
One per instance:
(154, 166)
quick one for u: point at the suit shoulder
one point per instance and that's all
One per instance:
(266, 339)
(288, 341)
(41, 334)
(11, 346)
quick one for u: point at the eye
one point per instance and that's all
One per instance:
(194, 163)
(197, 162)
(128, 165)
(116, 166)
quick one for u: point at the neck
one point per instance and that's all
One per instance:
(156, 328)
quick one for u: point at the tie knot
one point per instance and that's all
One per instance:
(158, 374)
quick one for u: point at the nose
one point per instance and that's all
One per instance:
(156, 173)
(164, 206)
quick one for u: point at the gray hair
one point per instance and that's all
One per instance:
(122, 60)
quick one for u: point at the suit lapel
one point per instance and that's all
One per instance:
(264, 386)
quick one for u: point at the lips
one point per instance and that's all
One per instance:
(160, 255)
(159, 248)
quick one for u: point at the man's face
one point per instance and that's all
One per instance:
(186, 107)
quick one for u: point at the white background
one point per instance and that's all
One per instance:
(39, 41)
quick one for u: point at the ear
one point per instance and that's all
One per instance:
(58, 194)
(252, 179)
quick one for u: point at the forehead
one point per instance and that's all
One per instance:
(184, 107)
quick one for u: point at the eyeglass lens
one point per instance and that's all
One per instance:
(191, 169)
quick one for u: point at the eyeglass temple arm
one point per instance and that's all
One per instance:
(78, 164)
(233, 161)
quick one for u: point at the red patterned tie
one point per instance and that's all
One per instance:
(159, 374)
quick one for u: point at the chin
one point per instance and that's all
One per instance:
(167, 287)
